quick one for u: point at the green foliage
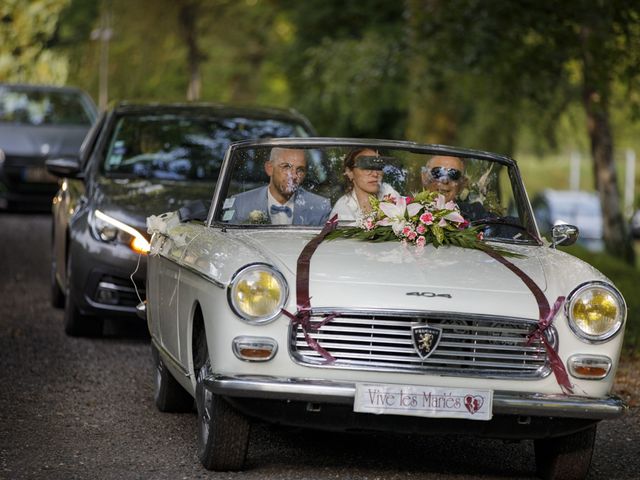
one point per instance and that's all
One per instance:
(26, 30)
(626, 278)
(346, 65)
(343, 76)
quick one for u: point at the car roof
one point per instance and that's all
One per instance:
(40, 88)
(212, 109)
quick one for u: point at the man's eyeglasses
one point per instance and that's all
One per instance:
(290, 169)
(439, 173)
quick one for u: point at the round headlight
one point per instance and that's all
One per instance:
(596, 311)
(257, 293)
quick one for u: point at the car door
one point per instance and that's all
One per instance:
(71, 191)
(167, 278)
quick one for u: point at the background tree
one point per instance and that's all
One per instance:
(345, 65)
(27, 30)
(554, 54)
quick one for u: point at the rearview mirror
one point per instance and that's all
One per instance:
(68, 167)
(564, 235)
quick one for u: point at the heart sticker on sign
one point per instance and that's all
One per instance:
(473, 403)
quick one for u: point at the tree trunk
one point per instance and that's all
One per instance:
(188, 20)
(616, 237)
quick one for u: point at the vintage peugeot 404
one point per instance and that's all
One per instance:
(379, 285)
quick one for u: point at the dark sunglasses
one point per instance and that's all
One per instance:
(438, 173)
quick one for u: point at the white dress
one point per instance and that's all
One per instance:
(348, 209)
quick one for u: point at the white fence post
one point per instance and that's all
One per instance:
(629, 181)
(574, 174)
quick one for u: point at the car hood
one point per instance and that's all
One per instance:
(43, 140)
(133, 200)
(389, 275)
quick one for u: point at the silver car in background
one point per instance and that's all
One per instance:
(38, 122)
(574, 207)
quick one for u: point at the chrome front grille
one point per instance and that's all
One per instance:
(470, 345)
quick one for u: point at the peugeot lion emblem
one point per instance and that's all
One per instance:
(425, 339)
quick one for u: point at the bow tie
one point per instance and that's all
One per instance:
(281, 209)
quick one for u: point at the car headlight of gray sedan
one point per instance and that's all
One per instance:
(112, 230)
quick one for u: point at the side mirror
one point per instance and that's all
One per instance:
(67, 167)
(564, 235)
(195, 210)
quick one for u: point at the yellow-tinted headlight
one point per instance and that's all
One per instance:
(257, 293)
(596, 311)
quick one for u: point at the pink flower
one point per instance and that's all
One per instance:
(464, 224)
(406, 231)
(421, 241)
(409, 199)
(421, 229)
(412, 235)
(369, 223)
(426, 218)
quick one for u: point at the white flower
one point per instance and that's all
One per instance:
(258, 216)
(396, 213)
(453, 215)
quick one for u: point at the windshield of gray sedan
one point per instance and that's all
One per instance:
(30, 106)
(182, 147)
(363, 185)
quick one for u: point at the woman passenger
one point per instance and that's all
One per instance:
(363, 174)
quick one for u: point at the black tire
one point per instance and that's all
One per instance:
(76, 324)
(223, 432)
(57, 295)
(567, 457)
(168, 394)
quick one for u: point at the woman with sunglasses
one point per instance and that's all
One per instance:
(363, 171)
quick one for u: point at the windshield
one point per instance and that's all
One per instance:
(182, 147)
(44, 107)
(304, 185)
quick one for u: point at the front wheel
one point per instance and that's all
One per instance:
(567, 457)
(223, 433)
(57, 295)
(76, 324)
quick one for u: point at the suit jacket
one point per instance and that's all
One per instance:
(309, 208)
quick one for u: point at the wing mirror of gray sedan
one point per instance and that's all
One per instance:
(564, 235)
(68, 167)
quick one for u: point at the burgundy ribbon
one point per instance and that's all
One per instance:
(302, 316)
(545, 319)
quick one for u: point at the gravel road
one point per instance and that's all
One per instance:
(75, 408)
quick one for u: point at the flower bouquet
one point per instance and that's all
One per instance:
(423, 219)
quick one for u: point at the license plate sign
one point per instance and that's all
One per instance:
(423, 401)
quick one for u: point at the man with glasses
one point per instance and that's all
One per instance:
(445, 175)
(283, 201)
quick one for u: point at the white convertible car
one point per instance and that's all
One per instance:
(379, 285)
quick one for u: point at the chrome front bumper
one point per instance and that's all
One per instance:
(504, 403)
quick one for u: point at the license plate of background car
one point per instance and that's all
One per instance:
(423, 401)
(37, 175)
